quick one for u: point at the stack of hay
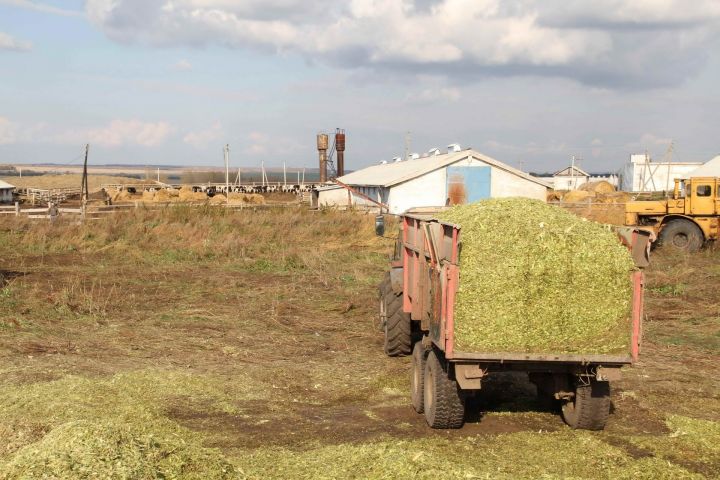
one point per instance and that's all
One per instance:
(148, 195)
(535, 278)
(186, 194)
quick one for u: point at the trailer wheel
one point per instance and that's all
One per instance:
(590, 408)
(395, 323)
(682, 234)
(443, 402)
(417, 376)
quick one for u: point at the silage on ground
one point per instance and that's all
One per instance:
(537, 279)
(117, 427)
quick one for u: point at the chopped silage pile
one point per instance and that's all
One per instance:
(537, 279)
(84, 449)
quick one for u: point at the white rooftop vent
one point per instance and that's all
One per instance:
(453, 147)
(434, 151)
(397, 159)
(414, 156)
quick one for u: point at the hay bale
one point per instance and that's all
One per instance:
(254, 198)
(187, 195)
(600, 186)
(84, 449)
(148, 195)
(173, 192)
(218, 199)
(576, 196)
(613, 197)
(162, 195)
(536, 278)
(553, 196)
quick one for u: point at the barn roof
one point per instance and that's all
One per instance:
(394, 173)
(568, 172)
(709, 169)
(4, 185)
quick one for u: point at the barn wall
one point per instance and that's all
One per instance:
(429, 190)
(506, 184)
(334, 197)
(6, 195)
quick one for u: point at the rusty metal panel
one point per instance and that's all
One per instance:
(467, 184)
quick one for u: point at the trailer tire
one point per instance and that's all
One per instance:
(417, 376)
(590, 408)
(682, 234)
(394, 322)
(443, 402)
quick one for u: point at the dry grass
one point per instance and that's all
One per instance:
(176, 342)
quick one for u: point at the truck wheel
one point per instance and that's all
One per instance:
(590, 408)
(417, 376)
(394, 322)
(443, 402)
(682, 234)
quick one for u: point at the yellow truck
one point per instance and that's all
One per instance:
(687, 220)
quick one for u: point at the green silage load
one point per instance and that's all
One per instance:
(535, 278)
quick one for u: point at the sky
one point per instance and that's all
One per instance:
(529, 82)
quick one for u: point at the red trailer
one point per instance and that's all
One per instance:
(417, 299)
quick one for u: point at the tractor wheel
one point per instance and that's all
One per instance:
(417, 376)
(590, 408)
(443, 402)
(395, 323)
(682, 234)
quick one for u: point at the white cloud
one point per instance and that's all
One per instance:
(203, 138)
(118, 133)
(9, 43)
(651, 140)
(41, 7)
(13, 132)
(439, 94)
(608, 42)
(8, 131)
(183, 65)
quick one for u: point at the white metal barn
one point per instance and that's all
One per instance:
(709, 169)
(6, 192)
(641, 174)
(455, 177)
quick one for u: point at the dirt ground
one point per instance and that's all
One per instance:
(254, 334)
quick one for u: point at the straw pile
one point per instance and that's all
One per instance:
(218, 199)
(187, 195)
(119, 195)
(148, 195)
(536, 278)
(600, 186)
(577, 196)
(162, 195)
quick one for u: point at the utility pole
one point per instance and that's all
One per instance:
(407, 144)
(227, 173)
(84, 186)
(572, 173)
(158, 174)
(284, 175)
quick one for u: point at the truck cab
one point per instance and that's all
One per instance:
(687, 220)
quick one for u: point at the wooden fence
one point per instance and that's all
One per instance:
(94, 212)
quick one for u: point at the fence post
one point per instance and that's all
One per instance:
(17, 209)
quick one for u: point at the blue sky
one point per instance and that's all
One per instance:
(529, 82)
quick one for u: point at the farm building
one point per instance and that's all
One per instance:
(641, 174)
(709, 169)
(6, 192)
(572, 177)
(455, 177)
